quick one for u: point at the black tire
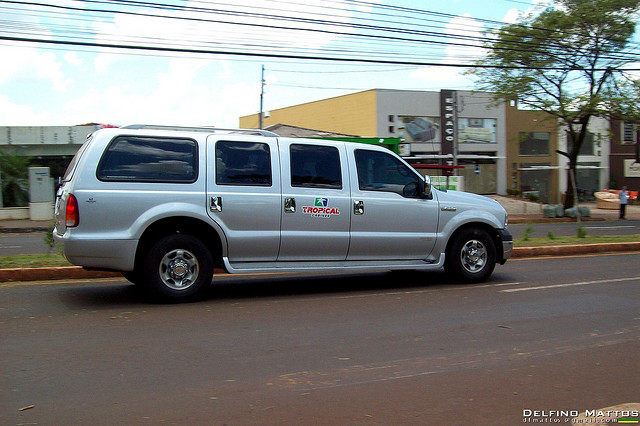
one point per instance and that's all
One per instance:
(133, 277)
(178, 267)
(471, 256)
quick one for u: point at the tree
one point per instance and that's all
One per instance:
(566, 61)
(13, 172)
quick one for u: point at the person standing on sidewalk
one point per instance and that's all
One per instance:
(624, 199)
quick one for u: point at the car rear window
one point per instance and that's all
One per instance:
(149, 159)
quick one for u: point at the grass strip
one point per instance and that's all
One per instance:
(33, 261)
(589, 239)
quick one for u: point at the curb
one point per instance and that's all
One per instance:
(23, 230)
(77, 272)
(57, 273)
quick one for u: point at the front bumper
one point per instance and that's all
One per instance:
(507, 245)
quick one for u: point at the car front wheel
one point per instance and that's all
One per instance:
(471, 257)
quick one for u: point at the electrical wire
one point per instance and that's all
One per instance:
(389, 37)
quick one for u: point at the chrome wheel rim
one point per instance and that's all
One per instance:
(179, 269)
(473, 256)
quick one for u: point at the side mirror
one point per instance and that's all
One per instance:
(425, 187)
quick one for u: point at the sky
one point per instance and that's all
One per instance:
(45, 84)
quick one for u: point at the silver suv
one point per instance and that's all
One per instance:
(166, 205)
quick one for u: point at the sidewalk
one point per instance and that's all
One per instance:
(520, 211)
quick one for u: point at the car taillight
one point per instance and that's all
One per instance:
(73, 215)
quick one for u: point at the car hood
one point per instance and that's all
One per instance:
(464, 201)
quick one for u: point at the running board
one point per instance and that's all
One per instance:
(356, 265)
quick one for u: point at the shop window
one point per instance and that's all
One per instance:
(587, 147)
(534, 143)
(629, 133)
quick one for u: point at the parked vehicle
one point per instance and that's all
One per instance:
(166, 205)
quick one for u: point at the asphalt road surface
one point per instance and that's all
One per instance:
(23, 243)
(384, 348)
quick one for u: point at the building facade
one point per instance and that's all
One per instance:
(624, 157)
(532, 162)
(501, 148)
(448, 127)
(592, 172)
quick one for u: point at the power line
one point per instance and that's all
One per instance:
(390, 49)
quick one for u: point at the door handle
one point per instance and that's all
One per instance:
(358, 207)
(289, 205)
(215, 204)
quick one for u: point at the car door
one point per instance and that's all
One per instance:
(390, 220)
(315, 201)
(244, 195)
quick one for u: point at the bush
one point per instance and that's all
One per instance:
(533, 197)
(581, 233)
(527, 232)
(15, 184)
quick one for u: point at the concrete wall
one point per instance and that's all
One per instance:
(47, 141)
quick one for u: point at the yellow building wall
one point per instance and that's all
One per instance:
(353, 114)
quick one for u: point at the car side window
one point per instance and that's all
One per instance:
(315, 166)
(149, 159)
(243, 163)
(378, 171)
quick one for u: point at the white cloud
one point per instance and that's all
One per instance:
(226, 70)
(27, 62)
(180, 96)
(50, 68)
(512, 16)
(72, 58)
(22, 115)
(467, 31)
(103, 60)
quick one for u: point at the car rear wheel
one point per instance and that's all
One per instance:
(178, 266)
(471, 257)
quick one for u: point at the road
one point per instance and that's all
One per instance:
(23, 243)
(384, 348)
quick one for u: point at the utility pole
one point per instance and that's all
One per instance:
(261, 98)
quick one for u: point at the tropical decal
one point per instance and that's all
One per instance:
(321, 209)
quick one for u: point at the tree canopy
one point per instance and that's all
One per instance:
(569, 61)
